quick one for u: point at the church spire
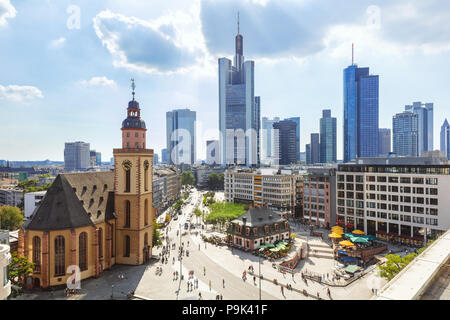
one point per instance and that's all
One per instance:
(133, 86)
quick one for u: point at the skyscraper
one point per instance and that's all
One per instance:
(212, 152)
(445, 139)
(76, 156)
(424, 113)
(315, 148)
(267, 136)
(164, 157)
(405, 132)
(297, 135)
(360, 113)
(180, 134)
(285, 142)
(384, 142)
(328, 145)
(239, 109)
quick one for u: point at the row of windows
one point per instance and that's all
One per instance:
(136, 135)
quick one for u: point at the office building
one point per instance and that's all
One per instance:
(445, 139)
(328, 143)
(275, 188)
(361, 91)
(319, 197)
(424, 112)
(384, 142)
(155, 159)
(76, 156)
(285, 150)
(405, 132)
(10, 196)
(181, 136)
(239, 110)
(5, 283)
(394, 201)
(297, 135)
(212, 152)
(308, 153)
(31, 201)
(315, 148)
(267, 138)
(164, 157)
(166, 188)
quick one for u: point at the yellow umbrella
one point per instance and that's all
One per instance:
(334, 235)
(338, 231)
(337, 228)
(346, 243)
(358, 232)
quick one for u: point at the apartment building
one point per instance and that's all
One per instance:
(266, 186)
(31, 201)
(319, 197)
(400, 202)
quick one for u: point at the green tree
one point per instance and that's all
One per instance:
(156, 238)
(18, 269)
(11, 218)
(215, 181)
(27, 183)
(198, 213)
(396, 263)
(187, 178)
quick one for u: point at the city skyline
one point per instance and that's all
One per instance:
(96, 79)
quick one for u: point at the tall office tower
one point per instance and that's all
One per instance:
(92, 158)
(284, 142)
(406, 134)
(212, 152)
(308, 153)
(328, 144)
(424, 113)
(360, 113)
(239, 109)
(297, 135)
(384, 142)
(267, 137)
(76, 156)
(155, 159)
(98, 158)
(164, 158)
(445, 139)
(315, 148)
(180, 134)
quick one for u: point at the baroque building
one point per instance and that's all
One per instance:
(93, 220)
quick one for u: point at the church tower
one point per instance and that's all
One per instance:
(133, 190)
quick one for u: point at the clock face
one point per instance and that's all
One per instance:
(146, 164)
(126, 165)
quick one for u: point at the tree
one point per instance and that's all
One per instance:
(215, 181)
(198, 213)
(11, 218)
(156, 237)
(187, 178)
(18, 269)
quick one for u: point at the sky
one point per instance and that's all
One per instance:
(65, 66)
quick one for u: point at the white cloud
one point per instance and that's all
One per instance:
(98, 82)
(7, 11)
(172, 43)
(58, 43)
(19, 93)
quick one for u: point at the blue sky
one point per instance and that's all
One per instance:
(62, 82)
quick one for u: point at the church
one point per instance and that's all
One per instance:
(95, 219)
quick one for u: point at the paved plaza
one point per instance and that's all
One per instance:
(224, 267)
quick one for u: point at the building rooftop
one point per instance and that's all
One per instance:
(259, 216)
(425, 277)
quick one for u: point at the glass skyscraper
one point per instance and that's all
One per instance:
(384, 142)
(361, 107)
(315, 148)
(180, 125)
(285, 142)
(267, 137)
(328, 139)
(297, 135)
(445, 139)
(405, 132)
(239, 110)
(424, 113)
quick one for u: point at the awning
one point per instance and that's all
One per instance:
(342, 252)
(349, 259)
(358, 232)
(351, 269)
(360, 240)
(346, 243)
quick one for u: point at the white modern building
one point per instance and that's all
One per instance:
(11, 197)
(31, 201)
(5, 260)
(399, 202)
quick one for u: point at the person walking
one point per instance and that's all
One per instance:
(282, 290)
(209, 285)
(223, 283)
(200, 296)
(199, 247)
(204, 270)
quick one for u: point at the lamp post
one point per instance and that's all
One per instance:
(259, 263)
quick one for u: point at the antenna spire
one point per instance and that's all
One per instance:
(238, 21)
(133, 86)
(353, 54)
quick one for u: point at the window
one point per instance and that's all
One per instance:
(128, 134)
(432, 181)
(381, 179)
(82, 251)
(136, 135)
(146, 212)
(405, 180)
(127, 213)
(100, 243)
(127, 247)
(146, 166)
(37, 254)
(60, 264)
(127, 181)
(418, 180)
(136, 145)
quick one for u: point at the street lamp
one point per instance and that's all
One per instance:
(259, 263)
